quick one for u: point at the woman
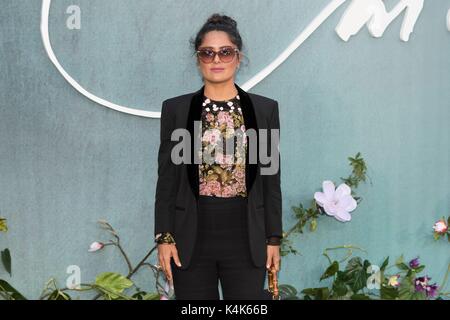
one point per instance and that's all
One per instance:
(219, 218)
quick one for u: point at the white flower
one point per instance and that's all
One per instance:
(207, 101)
(440, 226)
(393, 281)
(336, 202)
(95, 246)
(230, 103)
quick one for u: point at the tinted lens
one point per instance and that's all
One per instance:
(226, 54)
(206, 55)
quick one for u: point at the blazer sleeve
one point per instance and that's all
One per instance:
(166, 183)
(272, 185)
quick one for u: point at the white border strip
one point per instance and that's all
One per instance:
(324, 14)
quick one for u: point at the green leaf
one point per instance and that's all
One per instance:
(331, 270)
(309, 291)
(360, 297)
(151, 296)
(418, 296)
(406, 289)
(115, 283)
(419, 269)
(313, 225)
(403, 266)
(388, 293)
(385, 264)
(6, 260)
(399, 260)
(287, 289)
(287, 292)
(139, 295)
(357, 273)
(142, 295)
(59, 295)
(340, 288)
(10, 291)
(319, 293)
(3, 225)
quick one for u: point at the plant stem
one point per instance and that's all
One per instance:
(444, 282)
(130, 267)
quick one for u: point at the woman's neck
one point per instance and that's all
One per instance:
(220, 91)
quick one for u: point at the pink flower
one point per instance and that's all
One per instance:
(214, 187)
(212, 136)
(95, 246)
(225, 118)
(224, 159)
(238, 186)
(239, 173)
(209, 117)
(440, 227)
(228, 191)
(205, 189)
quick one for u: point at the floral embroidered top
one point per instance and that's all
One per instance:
(221, 174)
(223, 130)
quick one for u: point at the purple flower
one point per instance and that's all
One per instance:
(414, 263)
(431, 290)
(421, 283)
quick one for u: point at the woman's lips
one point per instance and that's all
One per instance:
(217, 69)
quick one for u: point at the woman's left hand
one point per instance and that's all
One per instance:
(273, 257)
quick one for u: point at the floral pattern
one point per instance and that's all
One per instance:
(221, 174)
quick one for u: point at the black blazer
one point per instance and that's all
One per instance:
(177, 188)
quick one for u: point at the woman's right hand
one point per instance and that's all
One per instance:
(165, 252)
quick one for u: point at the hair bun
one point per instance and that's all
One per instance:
(221, 19)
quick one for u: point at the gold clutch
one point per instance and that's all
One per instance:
(273, 283)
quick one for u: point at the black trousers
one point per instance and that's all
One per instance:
(221, 253)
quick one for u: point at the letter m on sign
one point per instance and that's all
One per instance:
(373, 13)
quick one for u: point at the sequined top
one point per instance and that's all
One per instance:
(223, 130)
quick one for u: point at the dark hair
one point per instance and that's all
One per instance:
(218, 22)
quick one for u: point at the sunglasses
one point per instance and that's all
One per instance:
(225, 54)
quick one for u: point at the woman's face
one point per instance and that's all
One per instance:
(218, 71)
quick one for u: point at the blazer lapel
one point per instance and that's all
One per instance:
(194, 114)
